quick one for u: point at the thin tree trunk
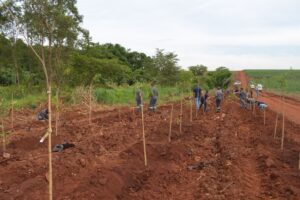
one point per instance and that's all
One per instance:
(14, 55)
(50, 143)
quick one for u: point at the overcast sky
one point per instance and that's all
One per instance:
(239, 34)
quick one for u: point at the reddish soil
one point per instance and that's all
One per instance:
(291, 106)
(243, 160)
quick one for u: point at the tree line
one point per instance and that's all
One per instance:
(47, 35)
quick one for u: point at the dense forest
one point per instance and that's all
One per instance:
(46, 36)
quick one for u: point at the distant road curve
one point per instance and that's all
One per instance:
(292, 106)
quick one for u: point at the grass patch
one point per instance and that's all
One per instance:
(23, 98)
(126, 95)
(272, 80)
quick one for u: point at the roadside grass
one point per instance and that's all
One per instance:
(22, 98)
(126, 95)
(118, 96)
(286, 81)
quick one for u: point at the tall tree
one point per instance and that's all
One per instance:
(220, 78)
(198, 70)
(166, 66)
(47, 26)
(9, 27)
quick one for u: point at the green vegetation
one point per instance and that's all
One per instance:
(126, 95)
(287, 81)
(42, 45)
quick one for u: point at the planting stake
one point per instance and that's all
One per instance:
(282, 135)
(264, 117)
(144, 139)
(276, 122)
(57, 112)
(191, 117)
(3, 137)
(180, 125)
(196, 112)
(299, 162)
(12, 112)
(171, 118)
(90, 105)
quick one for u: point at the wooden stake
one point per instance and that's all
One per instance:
(191, 114)
(299, 162)
(57, 112)
(12, 112)
(180, 125)
(50, 143)
(276, 122)
(196, 112)
(264, 116)
(3, 137)
(282, 134)
(171, 119)
(144, 138)
(90, 105)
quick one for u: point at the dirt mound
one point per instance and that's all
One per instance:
(240, 158)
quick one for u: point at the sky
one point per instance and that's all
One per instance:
(238, 34)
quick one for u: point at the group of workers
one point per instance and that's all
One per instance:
(200, 100)
(153, 98)
(246, 98)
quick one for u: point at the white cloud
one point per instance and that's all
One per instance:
(193, 29)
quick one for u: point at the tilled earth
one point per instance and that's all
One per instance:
(240, 157)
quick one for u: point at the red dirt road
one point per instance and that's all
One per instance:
(291, 106)
(243, 161)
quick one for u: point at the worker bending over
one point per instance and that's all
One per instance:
(43, 115)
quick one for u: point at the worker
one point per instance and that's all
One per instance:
(43, 115)
(218, 96)
(153, 97)
(257, 91)
(204, 101)
(251, 93)
(138, 99)
(261, 105)
(243, 98)
(197, 95)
